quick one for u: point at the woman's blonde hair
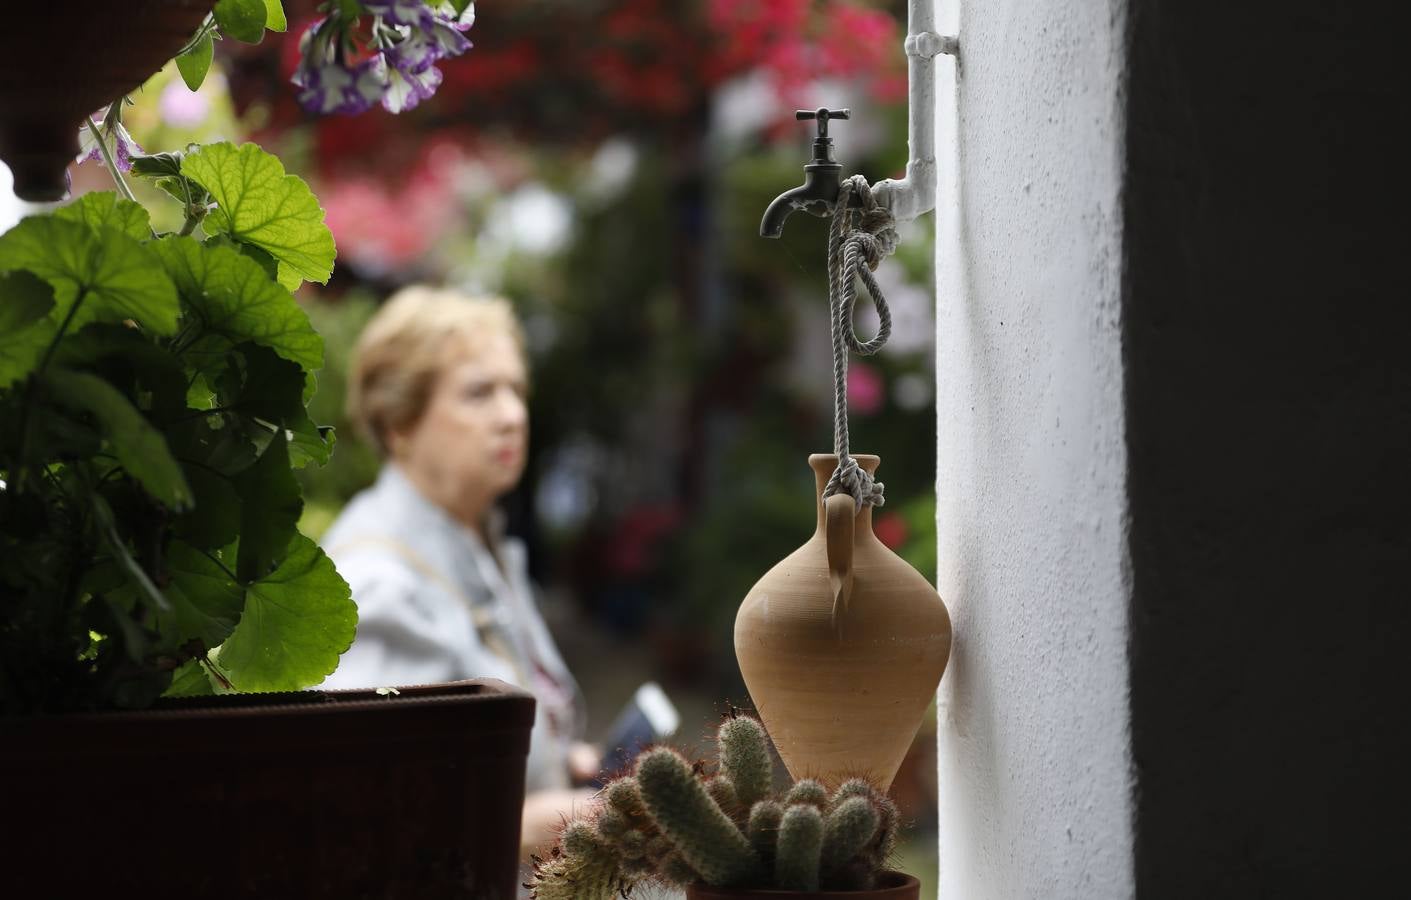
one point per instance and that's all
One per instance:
(405, 347)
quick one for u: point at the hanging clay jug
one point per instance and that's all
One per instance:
(62, 61)
(842, 645)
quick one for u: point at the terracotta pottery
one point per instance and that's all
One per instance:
(64, 61)
(842, 645)
(891, 886)
(316, 795)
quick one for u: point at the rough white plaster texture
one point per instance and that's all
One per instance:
(1034, 756)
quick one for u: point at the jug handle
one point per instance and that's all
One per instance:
(840, 513)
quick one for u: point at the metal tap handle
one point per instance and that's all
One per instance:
(822, 114)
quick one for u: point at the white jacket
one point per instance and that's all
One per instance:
(434, 606)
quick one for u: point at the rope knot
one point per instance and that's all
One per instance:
(850, 478)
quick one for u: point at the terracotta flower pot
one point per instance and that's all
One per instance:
(842, 645)
(62, 61)
(336, 794)
(891, 886)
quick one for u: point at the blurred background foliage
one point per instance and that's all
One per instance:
(605, 165)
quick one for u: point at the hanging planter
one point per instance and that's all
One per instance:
(63, 61)
(413, 793)
(842, 645)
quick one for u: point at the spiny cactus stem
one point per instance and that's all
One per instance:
(744, 757)
(807, 791)
(846, 832)
(704, 835)
(800, 846)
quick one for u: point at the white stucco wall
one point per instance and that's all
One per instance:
(1034, 754)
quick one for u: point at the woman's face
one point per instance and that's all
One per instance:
(468, 448)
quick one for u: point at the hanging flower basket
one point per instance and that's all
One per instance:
(63, 61)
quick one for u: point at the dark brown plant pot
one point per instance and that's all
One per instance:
(62, 61)
(338, 794)
(890, 886)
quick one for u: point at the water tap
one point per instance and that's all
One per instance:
(819, 192)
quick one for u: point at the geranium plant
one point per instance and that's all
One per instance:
(153, 392)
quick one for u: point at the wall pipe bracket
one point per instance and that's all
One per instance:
(915, 194)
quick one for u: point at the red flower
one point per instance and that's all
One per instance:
(890, 529)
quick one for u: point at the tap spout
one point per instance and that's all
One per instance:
(817, 196)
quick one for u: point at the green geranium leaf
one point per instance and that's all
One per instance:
(257, 203)
(196, 62)
(213, 442)
(157, 165)
(26, 328)
(214, 518)
(131, 362)
(267, 263)
(143, 586)
(138, 446)
(271, 504)
(98, 275)
(105, 209)
(274, 16)
(310, 443)
(298, 620)
(271, 389)
(190, 680)
(236, 302)
(243, 20)
(205, 600)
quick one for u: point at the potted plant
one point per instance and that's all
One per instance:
(160, 611)
(727, 833)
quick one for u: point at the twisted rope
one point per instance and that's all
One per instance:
(866, 234)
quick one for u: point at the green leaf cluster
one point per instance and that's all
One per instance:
(153, 407)
(244, 20)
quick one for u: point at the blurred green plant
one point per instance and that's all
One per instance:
(339, 320)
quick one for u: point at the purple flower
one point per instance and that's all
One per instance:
(399, 12)
(333, 88)
(422, 47)
(446, 35)
(414, 53)
(461, 22)
(406, 89)
(116, 137)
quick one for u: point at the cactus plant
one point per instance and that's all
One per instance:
(800, 847)
(745, 760)
(674, 823)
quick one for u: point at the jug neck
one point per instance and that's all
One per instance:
(823, 465)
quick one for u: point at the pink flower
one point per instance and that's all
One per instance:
(865, 389)
(183, 108)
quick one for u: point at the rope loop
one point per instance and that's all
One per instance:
(859, 239)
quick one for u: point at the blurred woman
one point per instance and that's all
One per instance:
(438, 384)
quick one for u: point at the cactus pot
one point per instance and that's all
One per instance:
(337, 794)
(63, 61)
(891, 886)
